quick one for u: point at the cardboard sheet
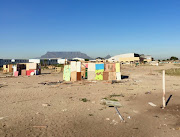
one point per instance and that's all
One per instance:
(118, 75)
(105, 75)
(112, 75)
(91, 75)
(32, 65)
(99, 74)
(74, 76)
(67, 73)
(73, 66)
(23, 72)
(91, 67)
(117, 67)
(99, 66)
(27, 66)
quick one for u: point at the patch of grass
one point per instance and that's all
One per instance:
(178, 65)
(116, 95)
(161, 64)
(112, 99)
(173, 72)
(43, 67)
(59, 65)
(84, 99)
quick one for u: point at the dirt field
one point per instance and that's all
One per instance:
(24, 112)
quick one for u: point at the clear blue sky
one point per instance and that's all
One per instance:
(30, 28)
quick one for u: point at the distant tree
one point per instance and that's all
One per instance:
(173, 58)
(168, 59)
(86, 59)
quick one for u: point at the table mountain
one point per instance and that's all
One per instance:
(67, 55)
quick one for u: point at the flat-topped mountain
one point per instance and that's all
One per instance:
(68, 55)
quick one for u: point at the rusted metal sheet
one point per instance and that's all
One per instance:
(105, 75)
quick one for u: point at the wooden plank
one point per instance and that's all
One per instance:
(164, 90)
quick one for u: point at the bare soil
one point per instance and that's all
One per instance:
(41, 106)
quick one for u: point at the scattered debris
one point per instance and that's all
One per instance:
(135, 111)
(129, 117)
(108, 119)
(45, 105)
(117, 81)
(90, 114)
(2, 117)
(2, 85)
(64, 110)
(137, 81)
(149, 92)
(93, 102)
(84, 99)
(114, 122)
(135, 128)
(50, 83)
(116, 95)
(152, 104)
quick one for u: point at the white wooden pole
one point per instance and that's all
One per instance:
(164, 90)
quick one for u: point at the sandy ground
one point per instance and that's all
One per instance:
(22, 113)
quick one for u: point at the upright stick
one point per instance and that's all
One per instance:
(164, 91)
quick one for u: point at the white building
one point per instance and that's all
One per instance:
(34, 60)
(117, 57)
(61, 61)
(80, 59)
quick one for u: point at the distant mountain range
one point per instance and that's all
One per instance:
(107, 57)
(68, 55)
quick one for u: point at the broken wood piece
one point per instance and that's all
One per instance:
(152, 104)
(2, 117)
(45, 105)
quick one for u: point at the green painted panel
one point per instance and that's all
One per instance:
(67, 73)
